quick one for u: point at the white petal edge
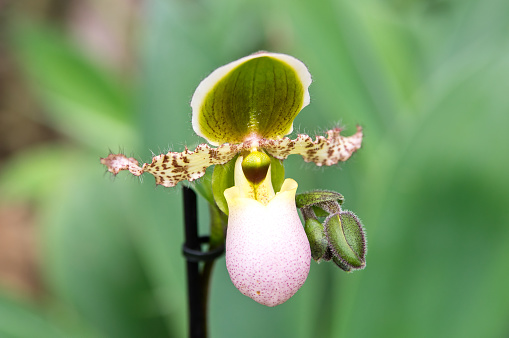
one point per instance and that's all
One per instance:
(210, 81)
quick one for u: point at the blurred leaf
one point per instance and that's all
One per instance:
(19, 320)
(91, 258)
(354, 89)
(435, 218)
(34, 173)
(85, 102)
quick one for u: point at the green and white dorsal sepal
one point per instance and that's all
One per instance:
(255, 97)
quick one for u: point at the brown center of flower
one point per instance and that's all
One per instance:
(255, 166)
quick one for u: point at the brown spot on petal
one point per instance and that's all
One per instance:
(327, 151)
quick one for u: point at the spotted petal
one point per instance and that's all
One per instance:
(255, 97)
(267, 251)
(171, 168)
(322, 151)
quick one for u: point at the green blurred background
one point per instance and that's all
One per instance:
(85, 255)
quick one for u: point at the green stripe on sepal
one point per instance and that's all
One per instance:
(258, 96)
(346, 239)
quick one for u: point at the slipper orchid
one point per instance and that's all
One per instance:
(245, 109)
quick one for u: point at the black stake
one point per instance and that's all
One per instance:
(196, 300)
(198, 277)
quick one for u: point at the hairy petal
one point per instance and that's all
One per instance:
(173, 167)
(119, 162)
(322, 151)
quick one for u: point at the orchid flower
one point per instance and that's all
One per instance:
(244, 110)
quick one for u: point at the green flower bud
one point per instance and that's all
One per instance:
(328, 255)
(341, 237)
(315, 197)
(340, 263)
(330, 207)
(315, 233)
(346, 240)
